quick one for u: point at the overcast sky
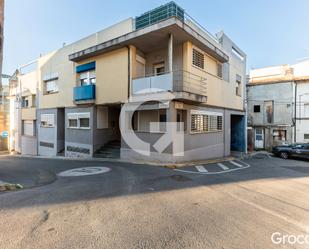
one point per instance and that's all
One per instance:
(269, 31)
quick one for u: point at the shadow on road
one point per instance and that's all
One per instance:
(123, 180)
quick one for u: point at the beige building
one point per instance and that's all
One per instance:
(162, 61)
(23, 106)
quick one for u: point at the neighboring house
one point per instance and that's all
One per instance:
(278, 97)
(23, 92)
(162, 60)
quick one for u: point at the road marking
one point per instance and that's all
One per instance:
(236, 164)
(222, 166)
(84, 171)
(215, 173)
(201, 169)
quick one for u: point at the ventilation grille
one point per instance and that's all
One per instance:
(78, 149)
(48, 145)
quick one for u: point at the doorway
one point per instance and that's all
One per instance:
(238, 133)
(259, 138)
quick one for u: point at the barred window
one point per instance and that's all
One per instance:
(204, 123)
(198, 59)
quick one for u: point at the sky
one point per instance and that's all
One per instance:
(270, 32)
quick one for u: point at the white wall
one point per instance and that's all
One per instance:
(302, 125)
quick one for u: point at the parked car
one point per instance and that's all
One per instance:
(292, 150)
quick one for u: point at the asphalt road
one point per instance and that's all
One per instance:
(140, 206)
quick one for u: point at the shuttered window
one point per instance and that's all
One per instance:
(28, 128)
(198, 59)
(47, 120)
(51, 86)
(79, 120)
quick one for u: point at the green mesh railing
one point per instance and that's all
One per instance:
(165, 11)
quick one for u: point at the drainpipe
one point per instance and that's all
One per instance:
(170, 53)
(129, 72)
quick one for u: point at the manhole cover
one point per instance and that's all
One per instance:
(84, 171)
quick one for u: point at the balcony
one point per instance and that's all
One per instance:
(84, 94)
(182, 84)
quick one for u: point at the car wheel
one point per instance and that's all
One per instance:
(284, 155)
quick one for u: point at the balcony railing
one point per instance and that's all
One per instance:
(176, 81)
(169, 10)
(84, 93)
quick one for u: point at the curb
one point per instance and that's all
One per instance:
(204, 162)
(160, 164)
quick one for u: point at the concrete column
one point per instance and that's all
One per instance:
(171, 113)
(170, 53)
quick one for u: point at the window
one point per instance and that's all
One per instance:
(24, 102)
(73, 123)
(162, 119)
(306, 110)
(79, 120)
(306, 136)
(201, 122)
(87, 78)
(269, 111)
(226, 72)
(162, 116)
(257, 108)
(33, 104)
(159, 68)
(84, 122)
(47, 120)
(198, 59)
(219, 70)
(51, 86)
(28, 127)
(279, 135)
(238, 85)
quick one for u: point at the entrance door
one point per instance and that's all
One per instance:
(259, 138)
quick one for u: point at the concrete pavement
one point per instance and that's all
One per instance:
(137, 206)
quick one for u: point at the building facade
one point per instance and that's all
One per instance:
(23, 109)
(277, 105)
(163, 63)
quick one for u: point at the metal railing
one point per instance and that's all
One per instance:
(167, 11)
(184, 81)
(159, 14)
(175, 81)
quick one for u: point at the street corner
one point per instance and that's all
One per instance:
(215, 168)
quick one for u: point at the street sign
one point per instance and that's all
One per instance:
(4, 134)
